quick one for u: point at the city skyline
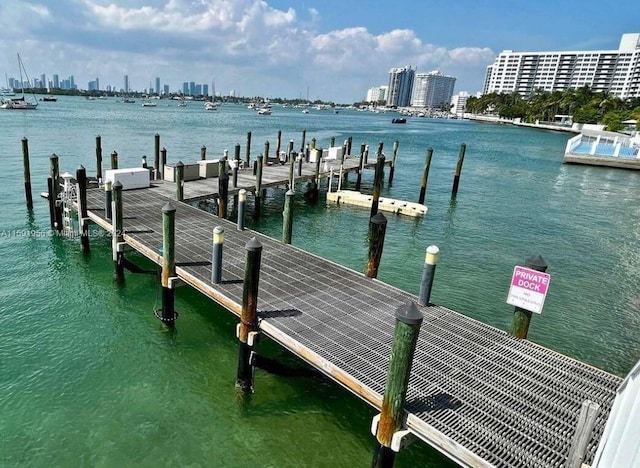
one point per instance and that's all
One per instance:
(325, 49)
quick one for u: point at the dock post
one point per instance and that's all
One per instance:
(117, 237)
(278, 144)
(289, 150)
(83, 223)
(236, 159)
(584, 429)
(292, 159)
(316, 179)
(366, 154)
(522, 317)
(377, 183)
(179, 180)
(266, 152)
(425, 175)
(108, 198)
(332, 142)
(51, 202)
(313, 143)
(54, 191)
(203, 153)
(349, 143)
(216, 255)
(248, 326)
(377, 230)
(163, 161)
(392, 169)
(144, 162)
(257, 201)
(242, 204)
(407, 328)
(300, 160)
(98, 157)
(223, 189)
(168, 316)
(456, 177)
(248, 154)
(287, 217)
(114, 160)
(428, 272)
(27, 173)
(304, 139)
(156, 156)
(360, 167)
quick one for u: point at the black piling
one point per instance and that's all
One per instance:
(248, 153)
(156, 156)
(98, 157)
(54, 193)
(114, 160)
(377, 231)
(257, 203)
(425, 175)
(456, 177)
(278, 144)
(163, 162)
(83, 218)
(117, 236)
(203, 153)
(223, 189)
(236, 160)
(377, 184)
(108, 198)
(242, 205)
(428, 273)
(392, 169)
(216, 255)
(360, 167)
(27, 173)
(304, 138)
(179, 174)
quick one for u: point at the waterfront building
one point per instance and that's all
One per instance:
(459, 103)
(94, 85)
(205, 89)
(432, 90)
(377, 94)
(56, 81)
(185, 88)
(166, 90)
(614, 71)
(157, 89)
(126, 83)
(400, 86)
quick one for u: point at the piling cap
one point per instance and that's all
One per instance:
(179, 164)
(409, 314)
(379, 218)
(536, 263)
(253, 245)
(290, 193)
(168, 208)
(218, 230)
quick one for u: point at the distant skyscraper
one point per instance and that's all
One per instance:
(205, 89)
(157, 85)
(432, 90)
(185, 88)
(56, 81)
(126, 83)
(377, 94)
(192, 88)
(166, 90)
(400, 85)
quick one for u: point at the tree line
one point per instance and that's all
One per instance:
(584, 104)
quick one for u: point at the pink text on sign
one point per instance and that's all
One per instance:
(530, 279)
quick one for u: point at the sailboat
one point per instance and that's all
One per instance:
(20, 103)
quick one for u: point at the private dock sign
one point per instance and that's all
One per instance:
(528, 289)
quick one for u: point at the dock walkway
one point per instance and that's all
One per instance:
(478, 395)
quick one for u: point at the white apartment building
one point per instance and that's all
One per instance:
(400, 85)
(431, 90)
(459, 103)
(377, 93)
(614, 71)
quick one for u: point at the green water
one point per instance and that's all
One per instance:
(88, 376)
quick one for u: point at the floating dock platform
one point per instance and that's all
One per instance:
(351, 197)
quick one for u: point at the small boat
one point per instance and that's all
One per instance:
(128, 100)
(49, 98)
(149, 104)
(20, 103)
(399, 121)
(210, 106)
(264, 111)
(305, 111)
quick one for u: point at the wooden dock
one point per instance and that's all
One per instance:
(478, 395)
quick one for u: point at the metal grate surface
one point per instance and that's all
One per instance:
(511, 403)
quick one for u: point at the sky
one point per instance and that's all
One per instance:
(333, 50)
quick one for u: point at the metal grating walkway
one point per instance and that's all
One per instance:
(476, 394)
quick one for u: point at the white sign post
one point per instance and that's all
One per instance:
(528, 289)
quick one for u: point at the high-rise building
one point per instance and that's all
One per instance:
(185, 88)
(377, 94)
(94, 85)
(614, 71)
(56, 81)
(157, 85)
(459, 103)
(205, 89)
(166, 90)
(432, 90)
(400, 85)
(192, 88)
(126, 83)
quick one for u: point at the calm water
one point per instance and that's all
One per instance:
(89, 377)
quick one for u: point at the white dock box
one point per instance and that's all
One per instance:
(209, 168)
(191, 172)
(335, 153)
(133, 178)
(314, 153)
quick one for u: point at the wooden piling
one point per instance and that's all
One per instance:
(407, 328)
(287, 217)
(425, 175)
(304, 138)
(349, 143)
(55, 192)
(203, 153)
(242, 203)
(522, 317)
(456, 177)
(266, 152)
(332, 142)
(27, 173)
(249, 317)
(313, 143)
(179, 173)
(377, 184)
(223, 189)
(377, 230)
(236, 159)
(248, 153)
(289, 150)
(108, 198)
(278, 143)
(392, 169)
(114, 160)
(360, 167)
(156, 156)
(216, 255)
(366, 154)
(168, 316)
(163, 161)
(315, 191)
(428, 273)
(117, 236)
(257, 202)
(83, 218)
(144, 162)
(299, 160)
(51, 202)
(98, 157)
(292, 158)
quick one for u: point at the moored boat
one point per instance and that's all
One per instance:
(20, 103)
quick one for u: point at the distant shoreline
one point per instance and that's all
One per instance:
(576, 128)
